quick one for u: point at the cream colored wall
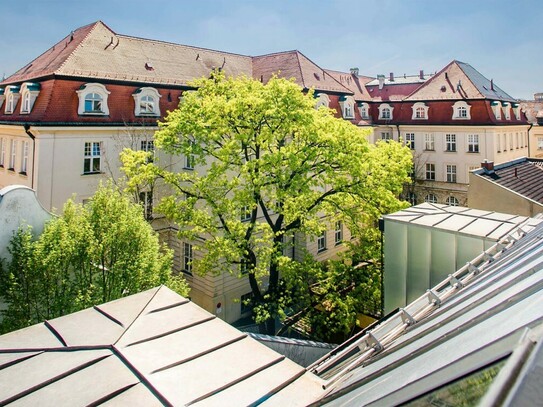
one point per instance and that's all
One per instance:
(535, 133)
(7, 177)
(485, 195)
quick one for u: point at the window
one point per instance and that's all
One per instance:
(430, 198)
(146, 200)
(321, 242)
(450, 142)
(430, 172)
(451, 172)
(243, 267)
(510, 141)
(504, 142)
(190, 160)
(518, 140)
(516, 110)
(347, 106)
(410, 140)
(385, 111)
(473, 143)
(420, 111)
(2, 152)
(496, 109)
(29, 92)
(12, 97)
(322, 100)
(187, 258)
(146, 102)
(91, 161)
(245, 213)
(385, 135)
(338, 232)
(13, 155)
(429, 142)
(506, 106)
(149, 147)
(461, 110)
(452, 201)
(364, 109)
(498, 143)
(412, 198)
(93, 99)
(24, 157)
(2, 96)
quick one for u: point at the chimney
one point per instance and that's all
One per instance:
(392, 77)
(492, 84)
(354, 71)
(488, 166)
(381, 79)
(421, 74)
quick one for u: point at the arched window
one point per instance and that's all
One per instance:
(12, 97)
(147, 102)
(322, 100)
(29, 92)
(430, 198)
(364, 108)
(420, 111)
(385, 111)
(93, 99)
(461, 111)
(452, 201)
(347, 106)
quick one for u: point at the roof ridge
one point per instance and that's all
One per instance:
(276, 53)
(298, 53)
(432, 78)
(460, 64)
(300, 67)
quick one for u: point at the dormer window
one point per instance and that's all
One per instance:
(385, 111)
(496, 109)
(147, 102)
(461, 111)
(12, 97)
(322, 100)
(93, 99)
(506, 110)
(364, 110)
(420, 111)
(2, 96)
(29, 92)
(347, 106)
(516, 110)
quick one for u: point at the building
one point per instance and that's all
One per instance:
(452, 120)
(512, 187)
(475, 338)
(534, 113)
(66, 115)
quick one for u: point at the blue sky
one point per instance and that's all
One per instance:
(499, 38)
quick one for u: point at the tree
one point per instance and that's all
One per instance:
(267, 165)
(89, 255)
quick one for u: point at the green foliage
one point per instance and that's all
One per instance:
(91, 254)
(265, 150)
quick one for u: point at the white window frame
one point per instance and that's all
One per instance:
(506, 107)
(144, 107)
(452, 201)
(322, 100)
(24, 157)
(451, 173)
(430, 172)
(347, 106)
(2, 96)
(29, 94)
(245, 213)
(420, 111)
(386, 136)
(385, 111)
(146, 201)
(496, 109)
(429, 142)
(410, 140)
(473, 143)
(498, 143)
(12, 97)
(364, 110)
(450, 142)
(186, 257)
(90, 89)
(430, 198)
(3, 143)
(90, 156)
(516, 110)
(338, 232)
(461, 111)
(321, 242)
(13, 156)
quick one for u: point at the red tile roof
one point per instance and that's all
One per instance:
(354, 83)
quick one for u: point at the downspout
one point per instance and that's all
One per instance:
(528, 137)
(398, 130)
(27, 131)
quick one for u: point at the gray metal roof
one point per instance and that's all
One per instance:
(483, 84)
(152, 348)
(490, 311)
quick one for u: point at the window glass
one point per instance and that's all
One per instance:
(91, 161)
(93, 103)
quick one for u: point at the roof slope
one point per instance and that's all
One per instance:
(459, 80)
(294, 64)
(523, 176)
(486, 314)
(152, 348)
(98, 52)
(355, 83)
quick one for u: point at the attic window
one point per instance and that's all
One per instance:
(322, 100)
(385, 111)
(12, 95)
(364, 109)
(506, 106)
(420, 111)
(93, 99)
(29, 94)
(461, 111)
(2, 96)
(149, 66)
(496, 109)
(147, 102)
(347, 106)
